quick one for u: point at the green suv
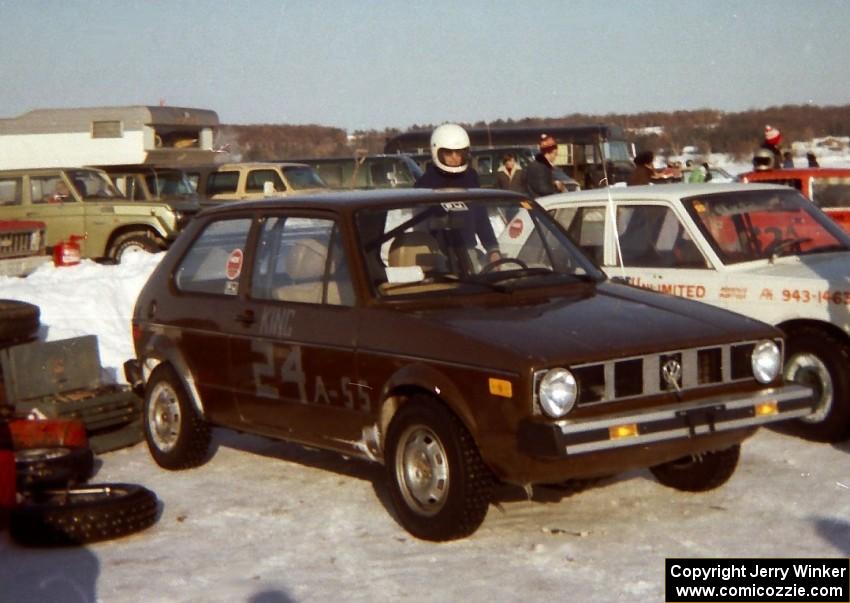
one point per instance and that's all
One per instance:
(83, 202)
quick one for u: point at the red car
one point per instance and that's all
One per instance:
(828, 188)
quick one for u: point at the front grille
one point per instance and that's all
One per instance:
(669, 371)
(21, 243)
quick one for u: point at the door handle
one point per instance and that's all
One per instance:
(246, 318)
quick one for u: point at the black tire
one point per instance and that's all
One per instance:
(699, 473)
(176, 434)
(82, 514)
(19, 321)
(446, 494)
(821, 361)
(52, 467)
(131, 243)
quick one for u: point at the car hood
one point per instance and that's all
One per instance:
(833, 268)
(601, 321)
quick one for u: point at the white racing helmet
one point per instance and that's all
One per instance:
(449, 137)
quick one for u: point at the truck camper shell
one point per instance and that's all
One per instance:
(105, 136)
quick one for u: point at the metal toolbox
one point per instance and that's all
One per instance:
(62, 379)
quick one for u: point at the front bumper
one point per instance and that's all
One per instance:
(564, 439)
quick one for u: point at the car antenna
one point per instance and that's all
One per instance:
(613, 215)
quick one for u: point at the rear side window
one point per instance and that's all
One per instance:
(222, 183)
(214, 262)
(10, 191)
(50, 189)
(301, 260)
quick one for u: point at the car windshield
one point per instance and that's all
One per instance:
(301, 177)
(460, 246)
(754, 225)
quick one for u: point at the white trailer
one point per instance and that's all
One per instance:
(108, 136)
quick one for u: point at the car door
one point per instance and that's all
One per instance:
(293, 357)
(53, 201)
(207, 281)
(656, 247)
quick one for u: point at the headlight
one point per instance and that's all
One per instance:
(767, 361)
(558, 392)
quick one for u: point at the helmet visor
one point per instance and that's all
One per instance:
(453, 157)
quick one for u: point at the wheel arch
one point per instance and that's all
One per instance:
(158, 351)
(805, 324)
(130, 230)
(422, 379)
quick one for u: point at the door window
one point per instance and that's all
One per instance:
(302, 260)
(50, 189)
(586, 227)
(222, 183)
(833, 191)
(214, 262)
(651, 236)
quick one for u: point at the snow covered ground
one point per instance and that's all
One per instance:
(272, 522)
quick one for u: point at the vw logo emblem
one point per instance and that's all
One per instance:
(671, 371)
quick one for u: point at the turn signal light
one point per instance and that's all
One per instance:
(501, 387)
(767, 408)
(617, 432)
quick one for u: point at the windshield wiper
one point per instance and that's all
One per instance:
(437, 278)
(539, 271)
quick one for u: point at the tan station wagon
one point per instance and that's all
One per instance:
(385, 325)
(83, 202)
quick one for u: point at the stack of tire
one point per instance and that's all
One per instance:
(44, 465)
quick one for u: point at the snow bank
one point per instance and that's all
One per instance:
(85, 299)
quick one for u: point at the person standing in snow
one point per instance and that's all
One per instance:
(539, 175)
(510, 176)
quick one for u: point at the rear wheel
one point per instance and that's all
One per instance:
(82, 514)
(176, 434)
(822, 362)
(441, 488)
(700, 472)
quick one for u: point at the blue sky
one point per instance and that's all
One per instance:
(373, 64)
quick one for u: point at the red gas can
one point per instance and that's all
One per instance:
(67, 253)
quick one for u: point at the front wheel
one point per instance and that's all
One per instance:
(441, 488)
(821, 362)
(699, 473)
(133, 243)
(176, 434)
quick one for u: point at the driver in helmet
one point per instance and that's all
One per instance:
(450, 169)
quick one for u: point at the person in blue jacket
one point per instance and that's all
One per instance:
(450, 168)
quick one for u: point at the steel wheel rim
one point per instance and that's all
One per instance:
(422, 470)
(164, 417)
(808, 369)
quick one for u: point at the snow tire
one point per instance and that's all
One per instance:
(133, 242)
(177, 435)
(82, 514)
(19, 321)
(819, 360)
(699, 473)
(52, 467)
(440, 487)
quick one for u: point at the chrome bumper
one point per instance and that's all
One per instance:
(673, 422)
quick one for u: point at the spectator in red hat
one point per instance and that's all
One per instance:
(539, 176)
(772, 138)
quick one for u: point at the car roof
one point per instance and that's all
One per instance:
(798, 172)
(233, 165)
(359, 199)
(670, 192)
